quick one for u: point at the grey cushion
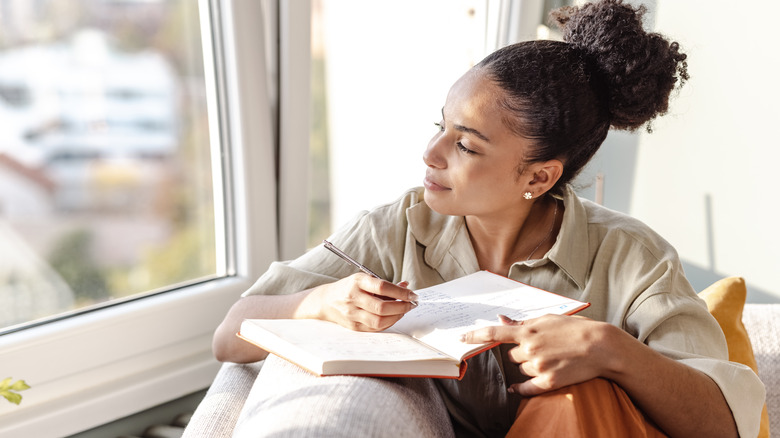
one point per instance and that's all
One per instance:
(762, 322)
(217, 414)
(288, 402)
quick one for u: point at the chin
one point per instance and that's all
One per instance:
(439, 205)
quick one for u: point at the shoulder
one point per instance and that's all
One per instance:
(409, 198)
(385, 223)
(393, 213)
(644, 268)
(612, 248)
(620, 229)
(409, 214)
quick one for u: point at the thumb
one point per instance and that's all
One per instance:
(529, 388)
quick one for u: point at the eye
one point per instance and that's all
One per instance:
(459, 145)
(464, 149)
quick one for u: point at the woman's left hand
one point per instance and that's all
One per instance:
(554, 350)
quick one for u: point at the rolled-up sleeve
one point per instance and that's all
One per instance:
(633, 278)
(680, 327)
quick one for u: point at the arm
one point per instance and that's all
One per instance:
(354, 302)
(557, 351)
(682, 400)
(227, 347)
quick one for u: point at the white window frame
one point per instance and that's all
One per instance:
(96, 367)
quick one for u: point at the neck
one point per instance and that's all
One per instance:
(530, 233)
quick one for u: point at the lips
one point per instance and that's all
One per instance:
(430, 184)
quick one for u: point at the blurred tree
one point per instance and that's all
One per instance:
(190, 254)
(72, 259)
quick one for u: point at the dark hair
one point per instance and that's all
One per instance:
(608, 72)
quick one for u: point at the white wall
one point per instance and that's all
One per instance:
(705, 179)
(390, 65)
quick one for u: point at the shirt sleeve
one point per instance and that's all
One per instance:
(677, 324)
(376, 239)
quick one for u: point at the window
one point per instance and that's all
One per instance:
(152, 342)
(105, 166)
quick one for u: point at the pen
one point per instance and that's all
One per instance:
(332, 248)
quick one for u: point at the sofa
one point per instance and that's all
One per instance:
(217, 414)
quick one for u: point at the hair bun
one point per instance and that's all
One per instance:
(637, 70)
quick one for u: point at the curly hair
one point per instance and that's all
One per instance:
(608, 72)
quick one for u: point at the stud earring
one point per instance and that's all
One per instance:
(528, 195)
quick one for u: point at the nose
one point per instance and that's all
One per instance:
(433, 155)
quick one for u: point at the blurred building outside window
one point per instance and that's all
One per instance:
(105, 175)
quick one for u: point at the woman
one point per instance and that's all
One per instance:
(514, 131)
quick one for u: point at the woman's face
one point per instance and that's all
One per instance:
(473, 160)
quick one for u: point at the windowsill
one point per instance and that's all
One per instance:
(94, 368)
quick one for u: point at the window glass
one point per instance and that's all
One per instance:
(319, 178)
(105, 175)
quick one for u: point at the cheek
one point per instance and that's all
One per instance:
(499, 176)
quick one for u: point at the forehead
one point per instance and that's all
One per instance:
(474, 100)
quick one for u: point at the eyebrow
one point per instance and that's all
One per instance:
(468, 130)
(462, 128)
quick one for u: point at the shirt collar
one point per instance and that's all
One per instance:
(448, 246)
(572, 242)
(446, 240)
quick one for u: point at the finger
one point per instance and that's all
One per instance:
(373, 323)
(528, 369)
(381, 307)
(359, 326)
(517, 355)
(413, 298)
(531, 387)
(386, 289)
(503, 334)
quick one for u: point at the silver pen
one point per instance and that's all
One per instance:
(332, 248)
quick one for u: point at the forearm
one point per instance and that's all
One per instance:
(682, 401)
(228, 347)
(359, 302)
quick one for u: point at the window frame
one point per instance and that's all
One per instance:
(99, 366)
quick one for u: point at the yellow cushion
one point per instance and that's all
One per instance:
(725, 300)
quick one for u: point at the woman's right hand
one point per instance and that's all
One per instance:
(361, 302)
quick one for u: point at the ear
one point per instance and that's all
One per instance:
(544, 176)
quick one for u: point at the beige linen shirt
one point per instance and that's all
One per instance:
(631, 276)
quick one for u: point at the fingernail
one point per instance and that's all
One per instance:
(413, 296)
(462, 338)
(511, 390)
